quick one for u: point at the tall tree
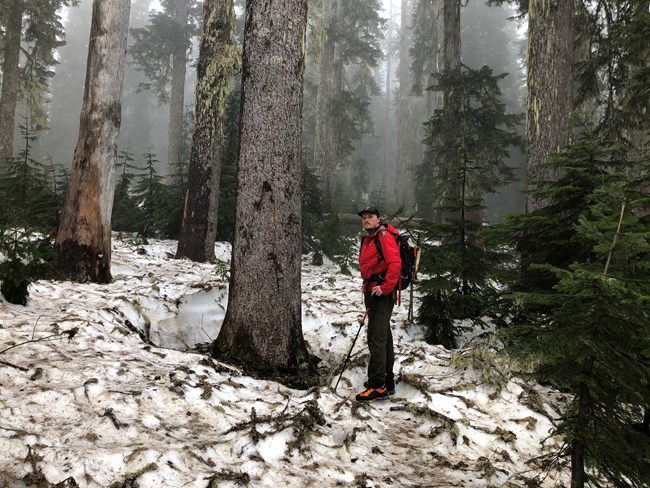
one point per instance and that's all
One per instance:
(409, 131)
(161, 50)
(583, 311)
(34, 28)
(179, 63)
(262, 327)
(448, 61)
(329, 79)
(549, 86)
(10, 78)
(345, 84)
(83, 243)
(424, 67)
(218, 59)
(470, 136)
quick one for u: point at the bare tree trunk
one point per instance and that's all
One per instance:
(83, 243)
(549, 86)
(324, 137)
(218, 59)
(177, 100)
(387, 108)
(578, 445)
(402, 106)
(10, 79)
(449, 60)
(262, 327)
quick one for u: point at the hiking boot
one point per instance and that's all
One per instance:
(390, 384)
(373, 394)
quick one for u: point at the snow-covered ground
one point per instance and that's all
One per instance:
(99, 388)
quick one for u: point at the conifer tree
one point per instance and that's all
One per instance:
(262, 327)
(344, 87)
(218, 60)
(150, 194)
(32, 200)
(33, 26)
(228, 181)
(124, 206)
(468, 138)
(586, 310)
(162, 50)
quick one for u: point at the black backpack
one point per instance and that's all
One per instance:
(407, 253)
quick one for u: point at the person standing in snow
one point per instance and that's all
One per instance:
(380, 272)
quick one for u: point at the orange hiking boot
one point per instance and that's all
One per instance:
(373, 394)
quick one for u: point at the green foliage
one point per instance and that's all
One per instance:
(42, 35)
(584, 304)
(171, 209)
(324, 236)
(144, 203)
(612, 66)
(154, 46)
(24, 257)
(468, 140)
(425, 33)
(339, 91)
(32, 194)
(32, 197)
(228, 183)
(123, 202)
(150, 194)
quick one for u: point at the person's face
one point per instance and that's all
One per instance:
(369, 221)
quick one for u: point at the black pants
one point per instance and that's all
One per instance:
(380, 338)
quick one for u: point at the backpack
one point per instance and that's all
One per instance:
(407, 253)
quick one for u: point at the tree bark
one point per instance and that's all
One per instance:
(388, 102)
(328, 85)
(177, 100)
(218, 59)
(10, 80)
(262, 327)
(578, 444)
(402, 103)
(449, 60)
(549, 87)
(83, 243)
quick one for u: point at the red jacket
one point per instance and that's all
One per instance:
(371, 265)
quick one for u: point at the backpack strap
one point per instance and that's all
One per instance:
(378, 246)
(381, 258)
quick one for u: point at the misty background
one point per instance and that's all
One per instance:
(489, 36)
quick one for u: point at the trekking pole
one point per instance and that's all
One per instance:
(345, 363)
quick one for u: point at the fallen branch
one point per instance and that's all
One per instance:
(70, 333)
(14, 366)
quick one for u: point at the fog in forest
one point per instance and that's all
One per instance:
(489, 36)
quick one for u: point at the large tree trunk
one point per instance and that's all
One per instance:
(549, 86)
(177, 100)
(10, 79)
(83, 243)
(262, 327)
(217, 60)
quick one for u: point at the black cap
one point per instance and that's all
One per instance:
(370, 210)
